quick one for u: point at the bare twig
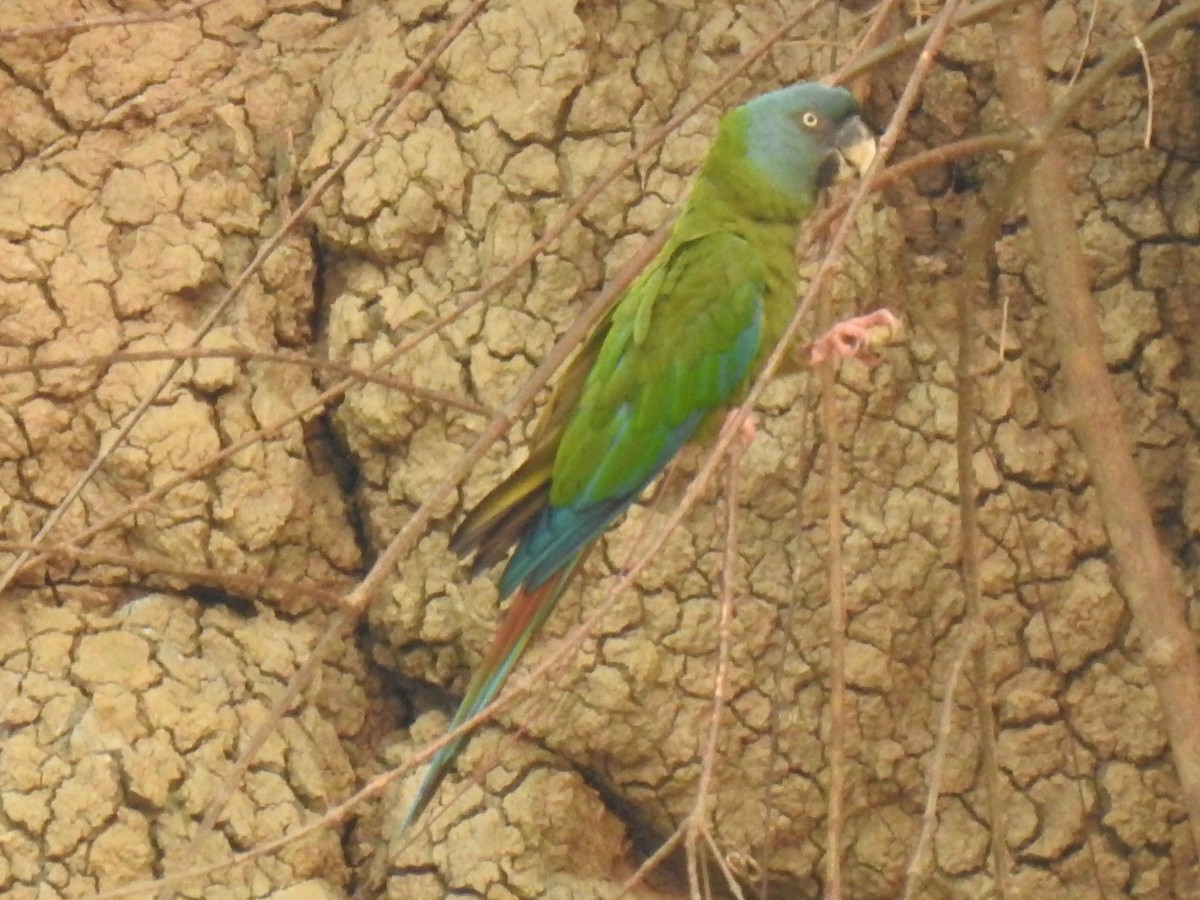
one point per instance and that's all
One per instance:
(656, 858)
(698, 823)
(1087, 42)
(363, 594)
(869, 38)
(319, 823)
(503, 420)
(76, 25)
(539, 378)
(1144, 571)
(247, 354)
(817, 283)
(1053, 117)
(916, 36)
(341, 621)
(1137, 41)
(918, 866)
(979, 239)
(167, 569)
(358, 598)
(835, 568)
(979, 246)
(265, 251)
(837, 603)
(730, 879)
(786, 630)
(553, 677)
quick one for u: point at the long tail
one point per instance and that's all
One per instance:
(522, 622)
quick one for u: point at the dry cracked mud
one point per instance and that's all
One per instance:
(143, 164)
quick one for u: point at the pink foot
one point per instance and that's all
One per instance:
(853, 336)
(746, 430)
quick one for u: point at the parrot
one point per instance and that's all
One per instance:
(673, 356)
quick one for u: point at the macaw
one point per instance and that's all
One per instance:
(676, 353)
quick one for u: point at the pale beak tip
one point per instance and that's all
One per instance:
(857, 145)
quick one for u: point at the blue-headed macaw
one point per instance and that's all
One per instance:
(675, 354)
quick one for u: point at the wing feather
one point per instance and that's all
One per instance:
(678, 348)
(657, 371)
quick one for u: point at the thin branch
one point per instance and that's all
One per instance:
(698, 823)
(1054, 116)
(730, 878)
(1087, 42)
(214, 315)
(331, 816)
(816, 284)
(656, 858)
(1144, 570)
(503, 420)
(939, 28)
(868, 40)
(165, 568)
(836, 577)
(76, 25)
(728, 587)
(918, 35)
(984, 236)
(786, 630)
(918, 866)
(357, 599)
(1137, 41)
(552, 679)
(979, 244)
(246, 354)
(341, 620)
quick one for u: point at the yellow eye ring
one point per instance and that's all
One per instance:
(810, 119)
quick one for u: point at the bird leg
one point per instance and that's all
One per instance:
(854, 336)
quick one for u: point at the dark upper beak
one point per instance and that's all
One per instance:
(855, 144)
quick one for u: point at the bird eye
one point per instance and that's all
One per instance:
(810, 119)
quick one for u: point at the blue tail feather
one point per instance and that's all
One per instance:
(516, 632)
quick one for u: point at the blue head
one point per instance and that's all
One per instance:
(799, 139)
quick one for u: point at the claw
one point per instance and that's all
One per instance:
(853, 336)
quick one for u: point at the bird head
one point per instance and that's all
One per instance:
(802, 138)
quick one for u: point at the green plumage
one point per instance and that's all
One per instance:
(675, 354)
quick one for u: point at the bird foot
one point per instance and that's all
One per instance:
(746, 430)
(854, 337)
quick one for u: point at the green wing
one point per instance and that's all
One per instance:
(679, 346)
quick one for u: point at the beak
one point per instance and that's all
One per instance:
(855, 144)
